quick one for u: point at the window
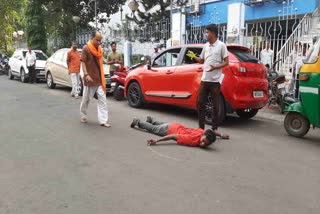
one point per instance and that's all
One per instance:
(187, 60)
(243, 56)
(167, 59)
(41, 56)
(58, 56)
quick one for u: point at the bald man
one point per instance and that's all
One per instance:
(93, 79)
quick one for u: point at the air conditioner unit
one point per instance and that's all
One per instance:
(195, 7)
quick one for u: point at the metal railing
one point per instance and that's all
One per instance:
(303, 33)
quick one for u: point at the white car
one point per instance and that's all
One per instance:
(57, 71)
(18, 67)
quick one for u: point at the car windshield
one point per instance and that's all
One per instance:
(243, 56)
(39, 55)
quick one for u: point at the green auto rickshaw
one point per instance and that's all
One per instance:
(306, 111)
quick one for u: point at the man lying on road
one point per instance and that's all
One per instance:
(178, 132)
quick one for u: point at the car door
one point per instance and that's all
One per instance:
(157, 82)
(15, 65)
(64, 69)
(57, 67)
(13, 62)
(186, 78)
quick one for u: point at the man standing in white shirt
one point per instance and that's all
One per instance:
(266, 55)
(31, 65)
(215, 57)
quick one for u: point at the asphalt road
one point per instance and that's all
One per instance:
(51, 163)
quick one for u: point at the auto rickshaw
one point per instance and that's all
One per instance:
(306, 111)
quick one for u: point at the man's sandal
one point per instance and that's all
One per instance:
(105, 125)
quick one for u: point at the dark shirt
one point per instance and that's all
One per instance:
(92, 67)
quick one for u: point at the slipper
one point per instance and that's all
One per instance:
(105, 125)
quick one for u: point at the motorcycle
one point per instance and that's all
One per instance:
(4, 65)
(119, 77)
(276, 89)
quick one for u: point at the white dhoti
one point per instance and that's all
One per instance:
(75, 81)
(88, 93)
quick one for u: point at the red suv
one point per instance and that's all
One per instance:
(174, 79)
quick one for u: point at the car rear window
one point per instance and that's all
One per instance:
(243, 56)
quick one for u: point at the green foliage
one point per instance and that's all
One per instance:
(58, 16)
(11, 19)
(146, 14)
(36, 31)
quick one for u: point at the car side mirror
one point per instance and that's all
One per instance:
(148, 66)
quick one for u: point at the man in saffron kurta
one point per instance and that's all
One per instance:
(93, 79)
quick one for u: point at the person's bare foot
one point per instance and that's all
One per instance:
(83, 120)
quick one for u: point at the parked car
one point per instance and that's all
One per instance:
(173, 78)
(18, 67)
(56, 71)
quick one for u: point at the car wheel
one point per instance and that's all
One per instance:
(208, 111)
(50, 82)
(80, 87)
(247, 113)
(23, 76)
(296, 124)
(118, 93)
(10, 75)
(135, 98)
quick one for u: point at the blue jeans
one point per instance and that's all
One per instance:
(154, 127)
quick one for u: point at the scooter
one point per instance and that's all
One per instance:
(4, 65)
(119, 77)
(117, 82)
(276, 89)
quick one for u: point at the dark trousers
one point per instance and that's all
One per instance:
(154, 127)
(206, 89)
(32, 74)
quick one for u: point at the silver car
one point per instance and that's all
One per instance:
(57, 71)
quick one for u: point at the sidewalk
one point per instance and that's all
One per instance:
(272, 113)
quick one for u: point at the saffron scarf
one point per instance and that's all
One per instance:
(99, 55)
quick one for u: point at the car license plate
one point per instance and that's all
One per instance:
(257, 94)
(281, 85)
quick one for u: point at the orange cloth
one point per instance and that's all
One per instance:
(99, 55)
(73, 60)
(186, 136)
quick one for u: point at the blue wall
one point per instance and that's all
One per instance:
(267, 10)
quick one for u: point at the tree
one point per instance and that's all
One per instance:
(11, 19)
(36, 31)
(58, 15)
(148, 12)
